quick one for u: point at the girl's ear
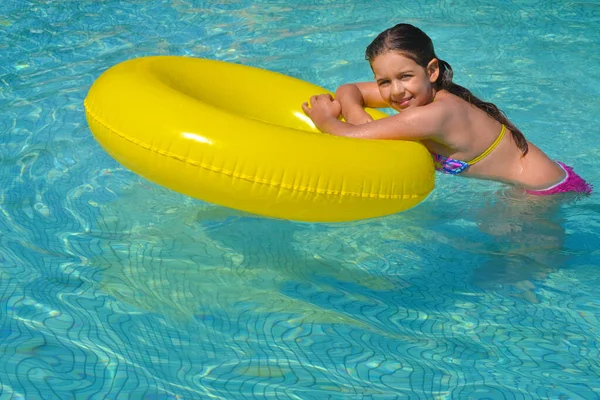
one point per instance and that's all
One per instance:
(433, 70)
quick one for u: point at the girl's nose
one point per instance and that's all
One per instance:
(397, 90)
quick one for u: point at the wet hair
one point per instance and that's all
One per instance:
(413, 43)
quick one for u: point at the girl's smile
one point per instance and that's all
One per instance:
(404, 103)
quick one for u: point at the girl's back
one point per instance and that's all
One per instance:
(470, 131)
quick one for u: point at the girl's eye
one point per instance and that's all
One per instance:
(405, 77)
(382, 83)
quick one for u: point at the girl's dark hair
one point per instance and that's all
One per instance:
(416, 45)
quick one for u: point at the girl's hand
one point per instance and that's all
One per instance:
(322, 108)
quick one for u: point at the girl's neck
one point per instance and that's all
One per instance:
(433, 95)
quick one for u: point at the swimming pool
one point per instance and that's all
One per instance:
(113, 287)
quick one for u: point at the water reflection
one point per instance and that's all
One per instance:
(525, 238)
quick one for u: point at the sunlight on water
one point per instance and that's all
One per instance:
(115, 287)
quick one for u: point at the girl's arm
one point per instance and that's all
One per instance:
(413, 124)
(353, 97)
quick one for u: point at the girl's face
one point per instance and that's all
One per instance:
(402, 82)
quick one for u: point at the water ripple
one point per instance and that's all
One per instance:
(113, 287)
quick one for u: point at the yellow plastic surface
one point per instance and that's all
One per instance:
(237, 136)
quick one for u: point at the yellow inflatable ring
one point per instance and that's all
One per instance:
(236, 136)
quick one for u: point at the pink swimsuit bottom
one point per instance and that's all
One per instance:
(572, 183)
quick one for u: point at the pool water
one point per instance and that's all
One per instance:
(114, 287)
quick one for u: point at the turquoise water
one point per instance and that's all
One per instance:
(113, 287)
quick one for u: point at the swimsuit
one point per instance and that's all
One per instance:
(571, 183)
(453, 166)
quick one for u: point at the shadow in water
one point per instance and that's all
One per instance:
(194, 260)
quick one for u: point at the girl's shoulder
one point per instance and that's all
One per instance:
(448, 105)
(445, 104)
(448, 99)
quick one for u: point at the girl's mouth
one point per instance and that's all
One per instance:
(403, 103)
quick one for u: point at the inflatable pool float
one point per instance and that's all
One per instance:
(236, 136)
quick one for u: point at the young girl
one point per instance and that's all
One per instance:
(464, 134)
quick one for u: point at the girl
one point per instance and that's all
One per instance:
(464, 134)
